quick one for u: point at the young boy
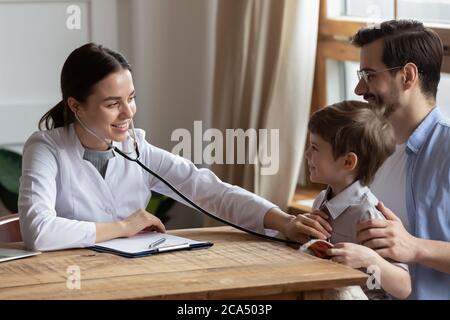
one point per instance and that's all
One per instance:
(348, 143)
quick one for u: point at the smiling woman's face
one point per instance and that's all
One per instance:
(108, 110)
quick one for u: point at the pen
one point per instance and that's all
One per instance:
(173, 247)
(157, 242)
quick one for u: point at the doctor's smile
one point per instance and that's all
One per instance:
(121, 127)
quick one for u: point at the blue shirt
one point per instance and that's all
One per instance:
(428, 198)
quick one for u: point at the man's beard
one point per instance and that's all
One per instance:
(386, 109)
(390, 109)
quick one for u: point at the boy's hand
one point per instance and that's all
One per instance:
(353, 255)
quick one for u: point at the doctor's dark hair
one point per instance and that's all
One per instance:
(83, 68)
(408, 41)
(358, 127)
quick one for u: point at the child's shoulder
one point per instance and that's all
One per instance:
(367, 206)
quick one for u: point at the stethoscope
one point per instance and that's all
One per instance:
(127, 155)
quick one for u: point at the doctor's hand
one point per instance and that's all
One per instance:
(305, 226)
(388, 238)
(139, 221)
(322, 218)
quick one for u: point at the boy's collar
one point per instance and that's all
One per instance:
(344, 199)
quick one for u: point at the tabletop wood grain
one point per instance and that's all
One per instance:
(237, 266)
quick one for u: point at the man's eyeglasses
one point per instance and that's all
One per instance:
(366, 74)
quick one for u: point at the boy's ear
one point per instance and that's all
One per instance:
(350, 161)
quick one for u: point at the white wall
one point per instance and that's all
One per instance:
(35, 42)
(170, 46)
(172, 57)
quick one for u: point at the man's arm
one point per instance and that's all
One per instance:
(434, 254)
(390, 239)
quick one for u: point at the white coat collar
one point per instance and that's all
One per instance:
(75, 141)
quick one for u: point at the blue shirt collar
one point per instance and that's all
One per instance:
(419, 136)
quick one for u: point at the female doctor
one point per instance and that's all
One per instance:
(75, 191)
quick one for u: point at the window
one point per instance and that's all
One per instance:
(427, 11)
(366, 10)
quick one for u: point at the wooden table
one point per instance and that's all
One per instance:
(237, 266)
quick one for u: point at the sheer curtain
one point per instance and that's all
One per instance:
(263, 79)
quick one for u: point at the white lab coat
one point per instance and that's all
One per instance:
(62, 195)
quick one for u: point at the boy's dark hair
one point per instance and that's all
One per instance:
(408, 41)
(354, 126)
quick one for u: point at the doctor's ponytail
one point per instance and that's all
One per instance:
(84, 68)
(58, 116)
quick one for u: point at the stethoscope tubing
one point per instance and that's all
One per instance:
(127, 156)
(264, 236)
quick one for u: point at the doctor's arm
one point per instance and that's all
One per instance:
(390, 239)
(227, 201)
(41, 228)
(136, 222)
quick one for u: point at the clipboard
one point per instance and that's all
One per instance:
(138, 246)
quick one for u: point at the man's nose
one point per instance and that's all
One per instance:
(361, 88)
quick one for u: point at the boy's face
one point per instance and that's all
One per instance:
(323, 168)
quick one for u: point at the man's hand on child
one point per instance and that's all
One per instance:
(388, 238)
(353, 255)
